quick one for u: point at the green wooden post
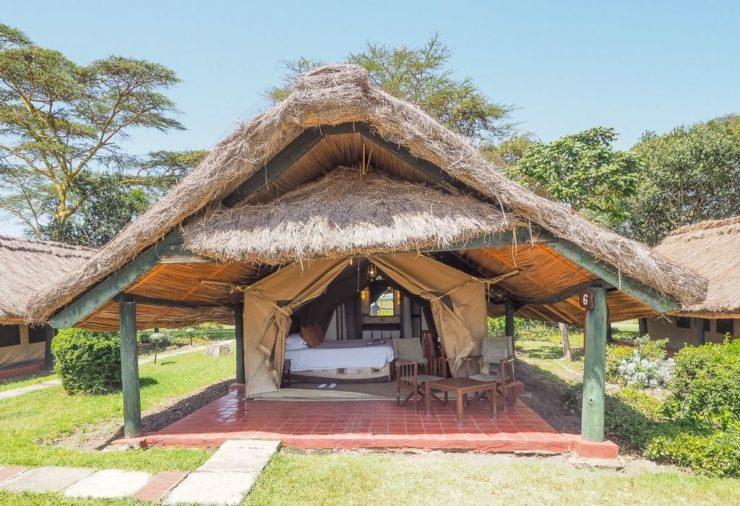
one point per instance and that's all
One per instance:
(129, 368)
(592, 411)
(509, 318)
(48, 356)
(239, 334)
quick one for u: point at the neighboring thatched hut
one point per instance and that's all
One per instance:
(25, 267)
(712, 249)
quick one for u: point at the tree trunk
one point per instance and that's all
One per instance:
(566, 341)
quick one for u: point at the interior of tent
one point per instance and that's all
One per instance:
(367, 312)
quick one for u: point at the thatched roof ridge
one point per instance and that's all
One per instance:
(712, 249)
(344, 213)
(26, 265)
(340, 94)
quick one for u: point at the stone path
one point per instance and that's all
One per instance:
(223, 479)
(17, 392)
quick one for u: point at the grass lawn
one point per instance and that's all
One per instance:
(353, 478)
(30, 424)
(294, 478)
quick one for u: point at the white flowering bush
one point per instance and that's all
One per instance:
(645, 367)
(640, 372)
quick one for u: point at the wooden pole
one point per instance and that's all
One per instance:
(699, 331)
(48, 357)
(592, 411)
(239, 334)
(643, 326)
(509, 318)
(129, 369)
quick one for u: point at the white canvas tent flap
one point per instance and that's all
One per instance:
(268, 305)
(457, 299)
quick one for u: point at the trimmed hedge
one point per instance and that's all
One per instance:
(88, 362)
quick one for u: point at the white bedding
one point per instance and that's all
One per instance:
(341, 354)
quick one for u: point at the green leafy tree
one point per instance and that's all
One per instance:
(690, 174)
(584, 171)
(61, 122)
(422, 77)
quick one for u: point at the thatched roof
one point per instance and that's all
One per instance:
(342, 94)
(343, 213)
(710, 248)
(26, 266)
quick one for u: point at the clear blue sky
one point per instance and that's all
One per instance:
(566, 65)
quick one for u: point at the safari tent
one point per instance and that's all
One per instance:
(25, 266)
(293, 218)
(711, 249)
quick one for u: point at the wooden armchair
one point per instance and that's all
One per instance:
(409, 378)
(413, 369)
(497, 364)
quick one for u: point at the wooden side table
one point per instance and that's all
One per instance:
(460, 387)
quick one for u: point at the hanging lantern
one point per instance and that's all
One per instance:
(372, 272)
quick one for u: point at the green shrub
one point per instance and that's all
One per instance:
(88, 362)
(715, 453)
(615, 354)
(705, 390)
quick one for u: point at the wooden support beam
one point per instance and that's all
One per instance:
(310, 137)
(648, 296)
(594, 368)
(509, 317)
(275, 167)
(699, 337)
(129, 369)
(48, 357)
(643, 326)
(565, 294)
(114, 284)
(182, 304)
(496, 240)
(239, 334)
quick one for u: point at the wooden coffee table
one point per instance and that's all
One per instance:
(460, 387)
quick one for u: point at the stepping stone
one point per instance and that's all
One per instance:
(227, 475)
(46, 479)
(109, 483)
(159, 486)
(9, 472)
(244, 456)
(212, 488)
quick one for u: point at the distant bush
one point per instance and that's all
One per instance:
(87, 361)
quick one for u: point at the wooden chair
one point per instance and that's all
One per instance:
(413, 369)
(409, 378)
(497, 363)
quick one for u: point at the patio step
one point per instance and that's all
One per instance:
(227, 475)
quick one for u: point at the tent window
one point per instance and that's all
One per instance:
(10, 335)
(683, 323)
(36, 334)
(725, 326)
(380, 301)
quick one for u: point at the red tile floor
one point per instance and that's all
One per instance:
(362, 424)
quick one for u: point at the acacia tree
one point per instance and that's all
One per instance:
(62, 123)
(584, 171)
(690, 174)
(421, 76)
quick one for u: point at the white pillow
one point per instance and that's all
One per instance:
(295, 342)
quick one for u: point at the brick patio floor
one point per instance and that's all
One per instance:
(362, 424)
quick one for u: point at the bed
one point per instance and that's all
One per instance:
(350, 361)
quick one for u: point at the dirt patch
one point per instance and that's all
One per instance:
(97, 436)
(546, 394)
